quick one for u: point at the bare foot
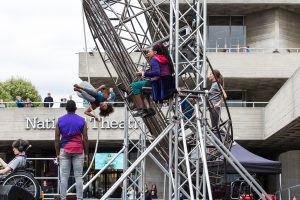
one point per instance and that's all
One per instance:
(77, 89)
(77, 86)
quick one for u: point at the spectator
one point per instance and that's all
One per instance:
(19, 147)
(2, 105)
(147, 193)
(130, 193)
(63, 102)
(85, 103)
(20, 102)
(248, 49)
(112, 95)
(180, 196)
(71, 147)
(28, 103)
(48, 101)
(294, 197)
(154, 192)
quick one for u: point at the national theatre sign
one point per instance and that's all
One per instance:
(47, 124)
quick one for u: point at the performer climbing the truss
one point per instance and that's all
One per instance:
(96, 97)
(161, 80)
(215, 96)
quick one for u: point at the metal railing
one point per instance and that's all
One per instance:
(81, 104)
(41, 179)
(254, 50)
(288, 193)
(55, 104)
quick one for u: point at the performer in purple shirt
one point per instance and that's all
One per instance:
(71, 146)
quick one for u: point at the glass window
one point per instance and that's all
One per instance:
(237, 20)
(219, 20)
(226, 33)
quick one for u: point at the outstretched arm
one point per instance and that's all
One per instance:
(89, 110)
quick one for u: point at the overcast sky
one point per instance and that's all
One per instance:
(39, 41)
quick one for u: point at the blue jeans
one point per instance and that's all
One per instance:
(65, 161)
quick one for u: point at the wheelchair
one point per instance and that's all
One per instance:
(24, 178)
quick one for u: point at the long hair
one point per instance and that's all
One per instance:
(218, 76)
(107, 111)
(162, 50)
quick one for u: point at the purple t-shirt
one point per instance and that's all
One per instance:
(71, 129)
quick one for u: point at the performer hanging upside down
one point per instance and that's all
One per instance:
(96, 97)
(161, 80)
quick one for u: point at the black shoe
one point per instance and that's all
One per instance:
(148, 112)
(121, 86)
(138, 112)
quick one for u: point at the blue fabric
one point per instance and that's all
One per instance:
(20, 103)
(155, 69)
(167, 87)
(187, 109)
(156, 95)
(112, 97)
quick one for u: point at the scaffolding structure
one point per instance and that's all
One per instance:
(186, 149)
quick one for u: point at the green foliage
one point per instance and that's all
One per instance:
(4, 94)
(20, 87)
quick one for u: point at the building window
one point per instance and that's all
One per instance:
(236, 98)
(226, 33)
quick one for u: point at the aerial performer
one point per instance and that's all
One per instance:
(161, 80)
(97, 98)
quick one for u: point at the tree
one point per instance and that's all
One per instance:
(4, 94)
(23, 88)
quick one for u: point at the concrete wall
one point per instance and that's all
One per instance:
(247, 123)
(13, 124)
(95, 66)
(255, 65)
(290, 172)
(261, 29)
(284, 107)
(154, 175)
(274, 28)
(232, 65)
(289, 29)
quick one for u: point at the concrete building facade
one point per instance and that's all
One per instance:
(263, 87)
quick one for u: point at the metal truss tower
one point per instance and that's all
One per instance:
(188, 150)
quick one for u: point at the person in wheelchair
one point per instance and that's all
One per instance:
(19, 147)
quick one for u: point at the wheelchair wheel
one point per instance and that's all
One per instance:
(24, 180)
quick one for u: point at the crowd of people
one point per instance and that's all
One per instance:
(71, 137)
(149, 194)
(48, 101)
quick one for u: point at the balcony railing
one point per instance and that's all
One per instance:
(81, 104)
(253, 50)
